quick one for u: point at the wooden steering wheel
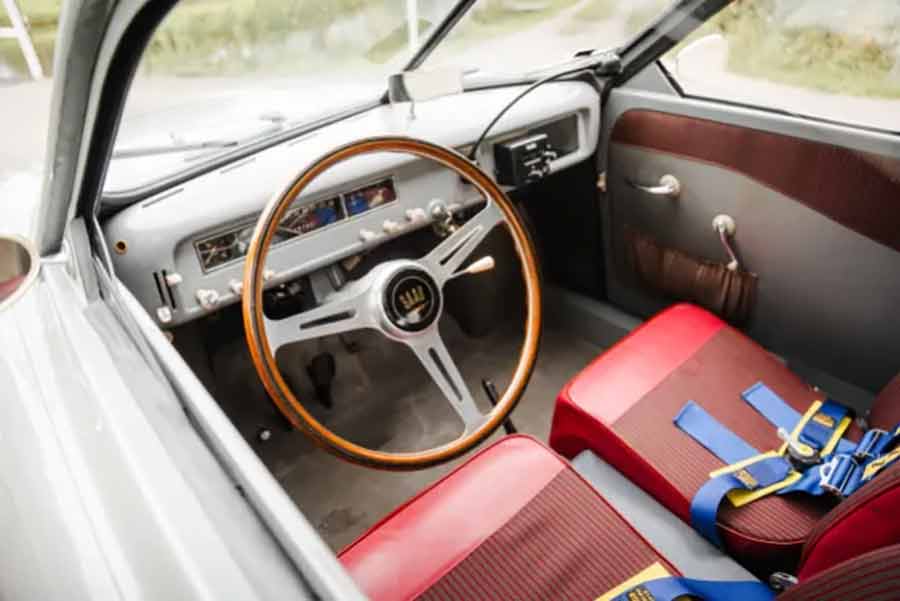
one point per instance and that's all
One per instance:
(402, 299)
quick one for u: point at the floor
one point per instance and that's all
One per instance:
(383, 399)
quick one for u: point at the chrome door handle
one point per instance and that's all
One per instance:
(668, 186)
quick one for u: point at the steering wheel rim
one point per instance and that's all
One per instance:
(255, 322)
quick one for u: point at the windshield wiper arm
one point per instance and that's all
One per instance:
(142, 151)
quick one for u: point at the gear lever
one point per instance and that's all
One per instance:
(491, 391)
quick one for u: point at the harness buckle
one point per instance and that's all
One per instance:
(869, 446)
(836, 473)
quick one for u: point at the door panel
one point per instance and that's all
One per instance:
(817, 208)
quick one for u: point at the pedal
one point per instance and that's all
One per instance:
(350, 345)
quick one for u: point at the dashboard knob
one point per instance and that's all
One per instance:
(391, 227)
(164, 314)
(173, 279)
(438, 209)
(367, 235)
(268, 274)
(236, 286)
(416, 215)
(207, 298)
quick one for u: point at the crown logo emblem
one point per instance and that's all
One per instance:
(412, 298)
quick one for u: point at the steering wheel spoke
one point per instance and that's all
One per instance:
(432, 352)
(344, 311)
(447, 257)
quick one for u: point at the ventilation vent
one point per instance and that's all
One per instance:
(169, 194)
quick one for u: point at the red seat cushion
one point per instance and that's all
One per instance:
(622, 406)
(513, 522)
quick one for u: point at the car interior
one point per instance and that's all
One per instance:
(473, 358)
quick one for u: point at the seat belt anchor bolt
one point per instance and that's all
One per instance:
(799, 452)
(780, 581)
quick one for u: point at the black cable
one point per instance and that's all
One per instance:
(473, 152)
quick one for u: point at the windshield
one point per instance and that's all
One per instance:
(219, 74)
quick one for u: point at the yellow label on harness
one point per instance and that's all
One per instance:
(654, 572)
(825, 420)
(746, 479)
(740, 497)
(880, 463)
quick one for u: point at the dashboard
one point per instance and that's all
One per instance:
(224, 248)
(181, 252)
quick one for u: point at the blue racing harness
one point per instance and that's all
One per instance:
(814, 459)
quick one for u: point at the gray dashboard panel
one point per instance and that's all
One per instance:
(159, 232)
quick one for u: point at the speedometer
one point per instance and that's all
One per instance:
(310, 217)
(220, 249)
(301, 219)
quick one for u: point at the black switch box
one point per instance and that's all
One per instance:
(522, 161)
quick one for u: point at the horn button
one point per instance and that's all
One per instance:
(412, 300)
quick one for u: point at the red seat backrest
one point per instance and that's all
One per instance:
(885, 413)
(871, 576)
(866, 521)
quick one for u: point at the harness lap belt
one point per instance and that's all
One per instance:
(814, 459)
(655, 584)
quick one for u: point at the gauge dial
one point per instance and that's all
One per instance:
(308, 217)
(223, 248)
(218, 250)
(370, 197)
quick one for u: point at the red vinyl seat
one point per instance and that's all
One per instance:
(516, 521)
(623, 404)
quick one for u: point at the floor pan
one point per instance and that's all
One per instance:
(383, 399)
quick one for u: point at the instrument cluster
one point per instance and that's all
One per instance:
(225, 247)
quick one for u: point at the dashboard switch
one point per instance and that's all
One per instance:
(173, 279)
(207, 298)
(391, 227)
(236, 286)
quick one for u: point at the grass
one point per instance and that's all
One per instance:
(597, 10)
(42, 16)
(394, 43)
(40, 13)
(635, 16)
(638, 18)
(213, 36)
(807, 57)
(495, 16)
(238, 36)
